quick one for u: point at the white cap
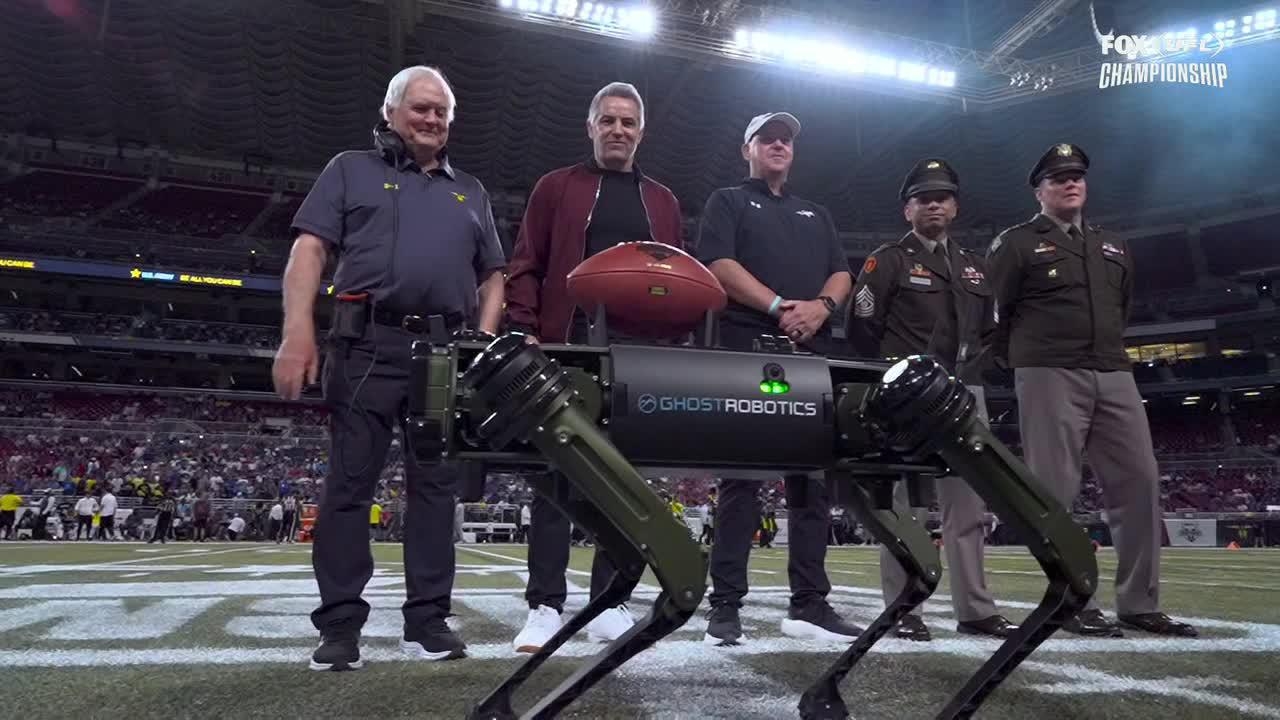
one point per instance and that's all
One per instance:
(759, 121)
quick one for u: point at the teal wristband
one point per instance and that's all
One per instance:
(773, 306)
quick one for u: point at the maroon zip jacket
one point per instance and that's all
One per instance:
(553, 240)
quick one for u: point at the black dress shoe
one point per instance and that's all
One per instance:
(1092, 623)
(994, 626)
(1159, 624)
(912, 627)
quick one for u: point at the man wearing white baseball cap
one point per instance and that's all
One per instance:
(785, 271)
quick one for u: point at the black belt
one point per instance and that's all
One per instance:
(419, 323)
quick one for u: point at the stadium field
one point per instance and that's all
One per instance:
(222, 630)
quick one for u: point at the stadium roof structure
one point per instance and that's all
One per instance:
(291, 82)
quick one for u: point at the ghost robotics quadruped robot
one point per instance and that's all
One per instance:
(596, 413)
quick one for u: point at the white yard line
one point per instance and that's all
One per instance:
(466, 548)
(187, 555)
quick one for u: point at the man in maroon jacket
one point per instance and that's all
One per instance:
(573, 213)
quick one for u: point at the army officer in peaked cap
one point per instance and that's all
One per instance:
(924, 294)
(1064, 289)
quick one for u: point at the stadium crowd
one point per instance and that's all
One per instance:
(137, 326)
(122, 442)
(136, 445)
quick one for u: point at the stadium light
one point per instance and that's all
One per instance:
(635, 19)
(834, 57)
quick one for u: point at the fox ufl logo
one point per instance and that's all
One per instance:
(1145, 58)
(1152, 47)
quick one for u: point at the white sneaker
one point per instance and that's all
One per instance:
(543, 622)
(610, 624)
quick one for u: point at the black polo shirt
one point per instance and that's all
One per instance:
(786, 242)
(418, 242)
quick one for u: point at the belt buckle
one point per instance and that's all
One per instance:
(413, 324)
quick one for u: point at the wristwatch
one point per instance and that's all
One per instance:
(829, 303)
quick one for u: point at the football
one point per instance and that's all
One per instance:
(648, 289)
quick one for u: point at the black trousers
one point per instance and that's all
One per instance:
(6, 523)
(549, 533)
(738, 518)
(738, 515)
(287, 528)
(164, 522)
(365, 385)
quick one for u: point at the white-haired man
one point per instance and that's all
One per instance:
(575, 212)
(400, 205)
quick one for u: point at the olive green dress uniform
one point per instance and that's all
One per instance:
(920, 296)
(1064, 293)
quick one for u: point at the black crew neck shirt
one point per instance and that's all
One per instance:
(619, 214)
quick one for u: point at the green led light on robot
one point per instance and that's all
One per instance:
(774, 387)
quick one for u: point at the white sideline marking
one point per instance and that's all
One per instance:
(21, 570)
(1164, 580)
(91, 619)
(688, 650)
(518, 562)
(185, 555)
(381, 624)
(1083, 680)
(278, 615)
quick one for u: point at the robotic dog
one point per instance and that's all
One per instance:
(596, 412)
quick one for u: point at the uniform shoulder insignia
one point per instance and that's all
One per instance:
(1002, 237)
(873, 260)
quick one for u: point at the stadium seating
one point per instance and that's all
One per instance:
(60, 195)
(190, 211)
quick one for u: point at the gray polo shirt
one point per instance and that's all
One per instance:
(417, 242)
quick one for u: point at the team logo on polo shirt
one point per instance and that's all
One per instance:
(459, 197)
(806, 213)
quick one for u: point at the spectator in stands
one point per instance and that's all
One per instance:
(422, 243)
(1064, 289)
(573, 213)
